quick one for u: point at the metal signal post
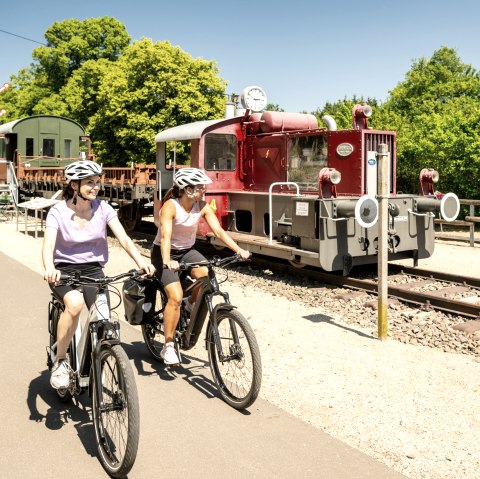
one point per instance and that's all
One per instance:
(382, 195)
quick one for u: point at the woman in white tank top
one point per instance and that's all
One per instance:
(183, 208)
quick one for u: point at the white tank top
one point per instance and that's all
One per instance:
(184, 227)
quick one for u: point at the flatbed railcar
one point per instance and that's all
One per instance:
(40, 146)
(285, 187)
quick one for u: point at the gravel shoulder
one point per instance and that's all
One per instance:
(410, 406)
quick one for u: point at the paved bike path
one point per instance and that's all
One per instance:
(186, 430)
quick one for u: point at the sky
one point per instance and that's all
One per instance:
(303, 53)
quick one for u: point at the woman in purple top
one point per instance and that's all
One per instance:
(183, 208)
(76, 240)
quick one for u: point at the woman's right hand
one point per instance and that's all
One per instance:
(172, 265)
(52, 275)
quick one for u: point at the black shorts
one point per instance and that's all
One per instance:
(166, 276)
(94, 270)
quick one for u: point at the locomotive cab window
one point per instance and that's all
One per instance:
(220, 152)
(306, 155)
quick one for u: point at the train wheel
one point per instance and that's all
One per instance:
(296, 264)
(130, 216)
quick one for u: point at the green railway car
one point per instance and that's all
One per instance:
(43, 140)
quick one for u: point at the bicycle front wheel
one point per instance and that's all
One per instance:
(237, 367)
(117, 418)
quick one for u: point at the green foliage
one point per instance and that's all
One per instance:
(273, 107)
(71, 43)
(436, 114)
(152, 86)
(341, 111)
(123, 94)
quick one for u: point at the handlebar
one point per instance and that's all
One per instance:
(209, 263)
(79, 280)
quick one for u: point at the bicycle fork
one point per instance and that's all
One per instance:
(110, 337)
(213, 312)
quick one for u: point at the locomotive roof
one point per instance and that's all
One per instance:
(8, 127)
(191, 131)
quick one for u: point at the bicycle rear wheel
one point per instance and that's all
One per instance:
(153, 330)
(237, 372)
(153, 337)
(116, 420)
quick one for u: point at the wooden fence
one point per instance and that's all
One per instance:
(469, 222)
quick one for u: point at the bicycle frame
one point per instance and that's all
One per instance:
(209, 288)
(88, 338)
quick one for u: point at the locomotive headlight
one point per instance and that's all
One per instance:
(330, 176)
(429, 175)
(362, 111)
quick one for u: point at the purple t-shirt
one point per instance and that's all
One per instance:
(75, 244)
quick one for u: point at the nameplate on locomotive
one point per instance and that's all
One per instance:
(301, 208)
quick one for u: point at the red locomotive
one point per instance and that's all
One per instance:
(286, 188)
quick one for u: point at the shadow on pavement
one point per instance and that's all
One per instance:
(59, 414)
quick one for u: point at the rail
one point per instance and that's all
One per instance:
(470, 220)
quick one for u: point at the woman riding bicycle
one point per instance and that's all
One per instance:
(183, 208)
(76, 241)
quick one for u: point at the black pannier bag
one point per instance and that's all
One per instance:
(139, 300)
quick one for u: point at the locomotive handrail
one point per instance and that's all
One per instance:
(270, 207)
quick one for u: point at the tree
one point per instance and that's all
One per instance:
(71, 43)
(436, 113)
(341, 111)
(273, 107)
(151, 87)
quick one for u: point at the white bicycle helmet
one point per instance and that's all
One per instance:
(190, 177)
(82, 169)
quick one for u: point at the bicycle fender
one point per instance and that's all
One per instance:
(220, 307)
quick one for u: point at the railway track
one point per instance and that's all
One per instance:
(428, 290)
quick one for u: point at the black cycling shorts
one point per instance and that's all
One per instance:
(94, 270)
(166, 276)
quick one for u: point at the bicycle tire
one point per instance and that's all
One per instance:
(64, 395)
(151, 335)
(238, 378)
(117, 428)
(153, 330)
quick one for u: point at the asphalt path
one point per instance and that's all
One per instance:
(186, 431)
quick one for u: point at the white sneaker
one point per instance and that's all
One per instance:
(169, 355)
(60, 378)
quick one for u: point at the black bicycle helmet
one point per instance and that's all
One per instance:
(190, 177)
(82, 169)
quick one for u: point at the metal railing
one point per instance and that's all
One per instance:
(270, 206)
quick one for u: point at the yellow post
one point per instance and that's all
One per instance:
(382, 195)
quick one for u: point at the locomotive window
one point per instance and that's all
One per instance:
(220, 152)
(48, 147)
(243, 221)
(179, 153)
(29, 147)
(2, 147)
(306, 155)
